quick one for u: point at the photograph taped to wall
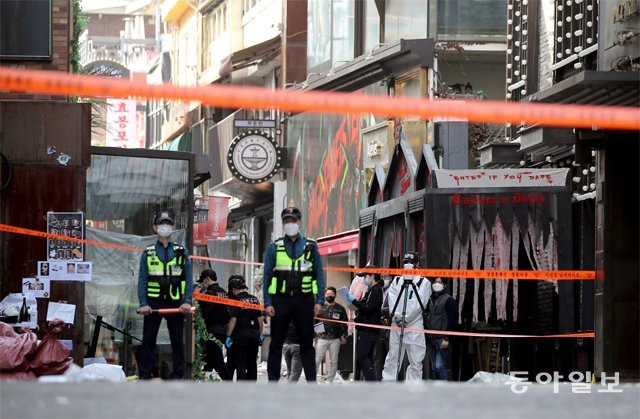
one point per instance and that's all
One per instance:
(65, 271)
(38, 287)
(69, 224)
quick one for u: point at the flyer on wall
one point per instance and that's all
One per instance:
(68, 224)
(39, 287)
(64, 271)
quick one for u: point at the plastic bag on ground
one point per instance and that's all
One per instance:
(494, 378)
(15, 352)
(50, 357)
(101, 372)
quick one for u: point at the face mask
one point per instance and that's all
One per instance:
(165, 230)
(387, 282)
(367, 281)
(408, 266)
(291, 229)
(437, 287)
(330, 299)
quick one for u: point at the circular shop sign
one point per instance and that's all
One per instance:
(253, 157)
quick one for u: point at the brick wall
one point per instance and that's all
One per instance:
(111, 25)
(61, 13)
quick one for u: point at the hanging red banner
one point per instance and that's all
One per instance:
(216, 225)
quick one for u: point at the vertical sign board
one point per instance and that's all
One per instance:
(216, 225)
(121, 123)
(69, 224)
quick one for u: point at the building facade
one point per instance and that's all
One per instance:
(583, 52)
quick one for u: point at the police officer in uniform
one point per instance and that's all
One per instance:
(216, 317)
(164, 281)
(244, 331)
(292, 277)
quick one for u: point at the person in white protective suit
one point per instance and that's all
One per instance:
(413, 343)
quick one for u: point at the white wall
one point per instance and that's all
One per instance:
(262, 22)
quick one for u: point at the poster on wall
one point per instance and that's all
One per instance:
(38, 287)
(68, 224)
(64, 271)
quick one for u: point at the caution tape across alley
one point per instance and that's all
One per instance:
(235, 303)
(429, 272)
(234, 97)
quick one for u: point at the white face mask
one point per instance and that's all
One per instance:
(437, 287)
(408, 266)
(291, 229)
(164, 230)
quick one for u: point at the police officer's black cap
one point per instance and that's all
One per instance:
(411, 257)
(292, 212)
(208, 273)
(164, 215)
(236, 282)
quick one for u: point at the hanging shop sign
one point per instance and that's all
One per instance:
(215, 226)
(254, 157)
(495, 178)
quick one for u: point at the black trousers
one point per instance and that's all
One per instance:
(244, 358)
(299, 309)
(215, 358)
(150, 327)
(364, 353)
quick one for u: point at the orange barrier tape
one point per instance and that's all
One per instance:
(446, 273)
(226, 96)
(225, 301)
(472, 334)
(231, 302)
(477, 273)
(29, 232)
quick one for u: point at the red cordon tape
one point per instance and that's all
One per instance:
(434, 273)
(234, 97)
(235, 303)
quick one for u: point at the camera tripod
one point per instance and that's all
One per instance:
(407, 285)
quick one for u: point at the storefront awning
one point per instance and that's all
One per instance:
(341, 244)
(389, 59)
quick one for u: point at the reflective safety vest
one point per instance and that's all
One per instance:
(166, 278)
(291, 276)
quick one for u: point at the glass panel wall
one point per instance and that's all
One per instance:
(123, 192)
(371, 25)
(405, 19)
(330, 33)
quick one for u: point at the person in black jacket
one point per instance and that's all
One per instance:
(244, 331)
(442, 313)
(368, 313)
(216, 317)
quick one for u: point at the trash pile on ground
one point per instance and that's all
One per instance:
(23, 357)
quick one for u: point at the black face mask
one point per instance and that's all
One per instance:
(330, 299)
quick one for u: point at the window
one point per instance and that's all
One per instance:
(248, 5)
(330, 33)
(25, 29)
(405, 19)
(214, 24)
(371, 25)
(461, 19)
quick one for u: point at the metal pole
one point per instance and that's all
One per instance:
(91, 351)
